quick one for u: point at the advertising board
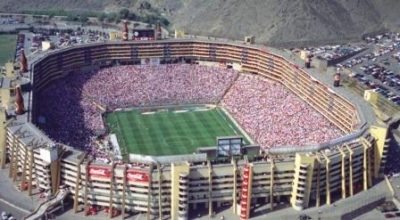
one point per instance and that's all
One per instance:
(137, 176)
(95, 171)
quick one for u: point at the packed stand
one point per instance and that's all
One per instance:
(71, 105)
(127, 86)
(273, 116)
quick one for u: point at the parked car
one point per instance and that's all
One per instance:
(356, 75)
(4, 215)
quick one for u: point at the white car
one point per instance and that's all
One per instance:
(4, 215)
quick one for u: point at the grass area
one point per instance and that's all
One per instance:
(7, 47)
(169, 132)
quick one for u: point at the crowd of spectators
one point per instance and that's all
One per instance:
(127, 86)
(72, 106)
(275, 117)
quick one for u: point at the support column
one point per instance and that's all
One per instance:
(351, 183)
(234, 206)
(85, 200)
(370, 167)
(112, 184)
(10, 170)
(15, 162)
(23, 176)
(123, 193)
(13, 152)
(272, 183)
(365, 168)
(149, 194)
(3, 137)
(318, 191)
(77, 183)
(343, 172)
(160, 196)
(367, 174)
(210, 184)
(328, 179)
(58, 174)
(31, 167)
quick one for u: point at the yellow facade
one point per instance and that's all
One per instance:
(381, 150)
(371, 97)
(3, 136)
(9, 69)
(179, 33)
(114, 35)
(5, 98)
(179, 190)
(302, 180)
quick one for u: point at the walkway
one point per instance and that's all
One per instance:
(43, 207)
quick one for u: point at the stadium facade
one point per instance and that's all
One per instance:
(168, 187)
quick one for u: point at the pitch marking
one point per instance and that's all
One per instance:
(165, 141)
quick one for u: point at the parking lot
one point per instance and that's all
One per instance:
(63, 37)
(332, 52)
(377, 68)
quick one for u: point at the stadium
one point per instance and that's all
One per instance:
(182, 127)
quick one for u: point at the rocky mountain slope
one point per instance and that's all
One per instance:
(276, 22)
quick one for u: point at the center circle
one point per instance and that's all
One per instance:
(184, 141)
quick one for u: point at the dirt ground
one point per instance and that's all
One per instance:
(274, 22)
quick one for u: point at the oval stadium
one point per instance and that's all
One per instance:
(171, 127)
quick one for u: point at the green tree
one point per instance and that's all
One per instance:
(111, 17)
(132, 16)
(124, 13)
(83, 18)
(146, 5)
(71, 17)
(151, 19)
(164, 21)
(117, 18)
(101, 17)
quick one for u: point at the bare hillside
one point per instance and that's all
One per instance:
(277, 22)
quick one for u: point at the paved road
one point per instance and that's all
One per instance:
(17, 213)
(40, 211)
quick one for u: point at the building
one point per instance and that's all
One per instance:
(301, 176)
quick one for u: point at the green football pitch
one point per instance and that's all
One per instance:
(170, 132)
